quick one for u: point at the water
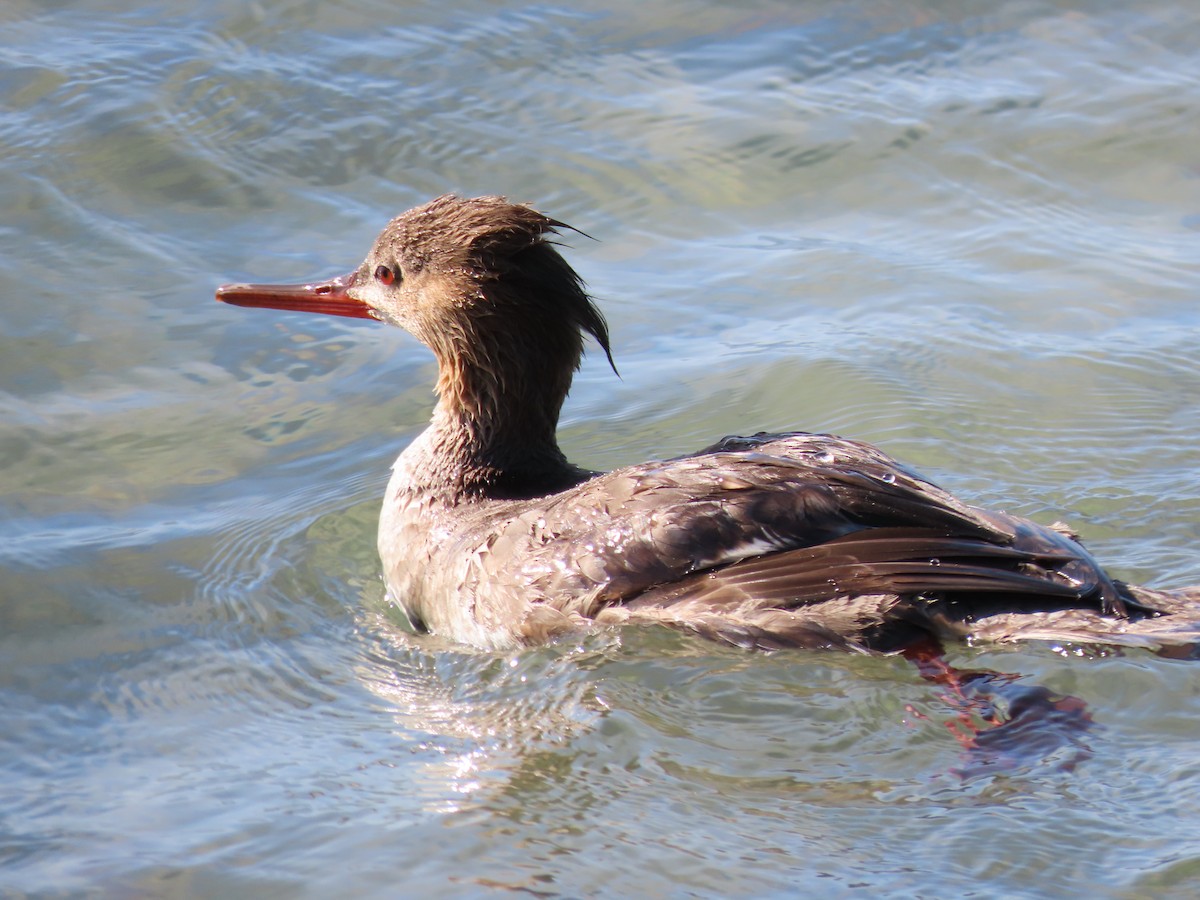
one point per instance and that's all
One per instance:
(966, 232)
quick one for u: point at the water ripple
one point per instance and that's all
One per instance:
(967, 234)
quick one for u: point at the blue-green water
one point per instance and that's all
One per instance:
(967, 232)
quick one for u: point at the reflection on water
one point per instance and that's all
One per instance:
(967, 233)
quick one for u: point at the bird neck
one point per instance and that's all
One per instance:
(493, 431)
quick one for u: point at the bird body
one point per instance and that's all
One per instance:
(488, 535)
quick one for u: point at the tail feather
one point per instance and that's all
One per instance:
(1165, 621)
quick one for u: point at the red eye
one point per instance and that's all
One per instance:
(384, 275)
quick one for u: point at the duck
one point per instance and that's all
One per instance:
(490, 536)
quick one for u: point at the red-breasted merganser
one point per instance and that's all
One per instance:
(489, 536)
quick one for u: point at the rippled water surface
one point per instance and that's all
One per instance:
(967, 232)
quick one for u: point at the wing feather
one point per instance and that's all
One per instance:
(754, 530)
